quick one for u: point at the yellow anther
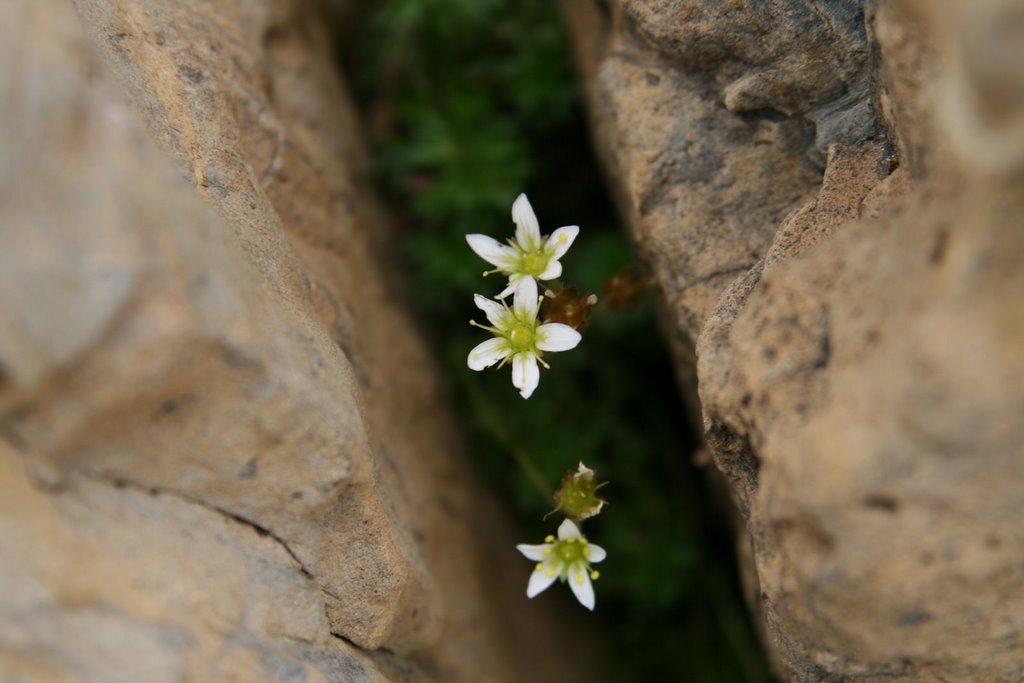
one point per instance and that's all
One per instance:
(583, 541)
(586, 552)
(549, 538)
(550, 572)
(571, 539)
(539, 565)
(595, 574)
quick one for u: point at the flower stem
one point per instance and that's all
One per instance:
(500, 432)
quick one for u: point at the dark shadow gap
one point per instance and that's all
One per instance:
(466, 104)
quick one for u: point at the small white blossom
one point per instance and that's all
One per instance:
(519, 336)
(567, 558)
(528, 255)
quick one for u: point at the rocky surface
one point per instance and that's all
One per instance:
(830, 195)
(222, 456)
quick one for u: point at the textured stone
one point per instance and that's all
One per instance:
(204, 364)
(884, 471)
(152, 587)
(860, 376)
(701, 187)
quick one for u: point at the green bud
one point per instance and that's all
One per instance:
(577, 497)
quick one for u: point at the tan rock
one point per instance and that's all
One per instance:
(886, 458)
(152, 587)
(232, 435)
(861, 382)
(702, 188)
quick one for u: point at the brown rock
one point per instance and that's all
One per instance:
(886, 456)
(231, 436)
(861, 382)
(152, 587)
(702, 188)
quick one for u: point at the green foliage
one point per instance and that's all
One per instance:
(468, 103)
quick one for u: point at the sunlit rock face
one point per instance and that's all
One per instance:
(831, 199)
(222, 453)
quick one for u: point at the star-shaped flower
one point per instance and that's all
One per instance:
(519, 336)
(528, 256)
(567, 558)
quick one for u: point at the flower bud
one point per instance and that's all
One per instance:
(577, 497)
(568, 307)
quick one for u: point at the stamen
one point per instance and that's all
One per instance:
(493, 330)
(539, 566)
(595, 575)
(541, 361)
(549, 538)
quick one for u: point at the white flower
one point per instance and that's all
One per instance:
(519, 336)
(529, 255)
(567, 558)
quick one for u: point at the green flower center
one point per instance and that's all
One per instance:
(534, 263)
(522, 337)
(571, 551)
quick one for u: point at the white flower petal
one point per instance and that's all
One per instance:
(597, 553)
(527, 228)
(557, 337)
(525, 373)
(540, 579)
(513, 280)
(487, 354)
(553, 270)
(534, 552)
(568, 530)
(560, 241)
(493, 251)
(525, 303)
(581, 586)
(495, 311)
